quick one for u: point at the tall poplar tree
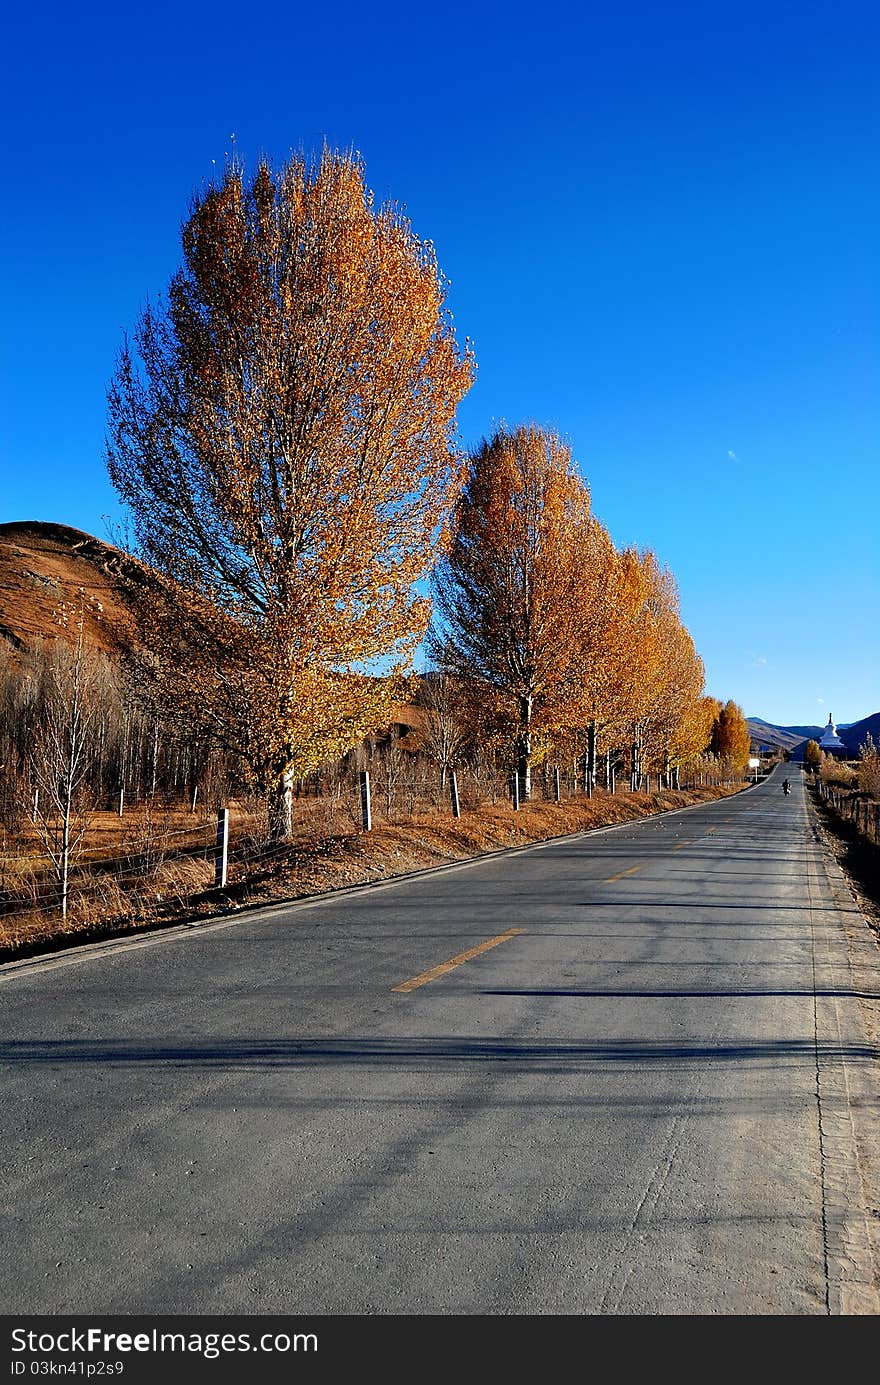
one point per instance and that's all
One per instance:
(730, 736)
(282, 431)
(514, 590)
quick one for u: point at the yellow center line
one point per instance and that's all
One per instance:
(633, 870)
(681, 846)
(424, 977)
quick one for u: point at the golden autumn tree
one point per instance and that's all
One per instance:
(659, 694)
(671, 723)
(582, 706)
(712, 710)
(693, 735)
(282, 431)
(639, 678)
(812, 755)
(623, 666)
(730, 736)
(511, 591)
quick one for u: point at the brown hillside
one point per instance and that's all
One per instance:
(47, 572)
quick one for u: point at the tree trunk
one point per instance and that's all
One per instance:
(524, 749)
(281, 808)
(65, 847)
(155, 759)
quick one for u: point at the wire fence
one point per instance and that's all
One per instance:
(89, 874)
(144, 863)
(154, 852)
(856, 808)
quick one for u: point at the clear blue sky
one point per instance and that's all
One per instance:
(660, 222)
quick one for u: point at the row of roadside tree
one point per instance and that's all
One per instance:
(282, 433)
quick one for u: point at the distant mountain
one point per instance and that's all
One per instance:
(791, 738)
(780, 737)
(855, 735)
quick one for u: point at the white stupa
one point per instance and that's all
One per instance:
(831, 743)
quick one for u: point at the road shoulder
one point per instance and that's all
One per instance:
(847, 981)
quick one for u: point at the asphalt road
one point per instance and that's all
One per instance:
(642, 1102)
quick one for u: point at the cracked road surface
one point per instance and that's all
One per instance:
(617, 1073)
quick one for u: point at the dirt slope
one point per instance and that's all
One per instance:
(48, 573)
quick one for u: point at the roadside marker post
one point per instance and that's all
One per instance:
(221, 855)
(556, 793)
(366, 809)
(453, 794)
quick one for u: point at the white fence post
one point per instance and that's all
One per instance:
(366, 809)
(453, 794)
(221, 855)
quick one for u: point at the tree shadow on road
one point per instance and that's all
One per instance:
(633, 993)
(242, 1054)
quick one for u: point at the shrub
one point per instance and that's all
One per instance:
(837, 772)
(869, 768)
